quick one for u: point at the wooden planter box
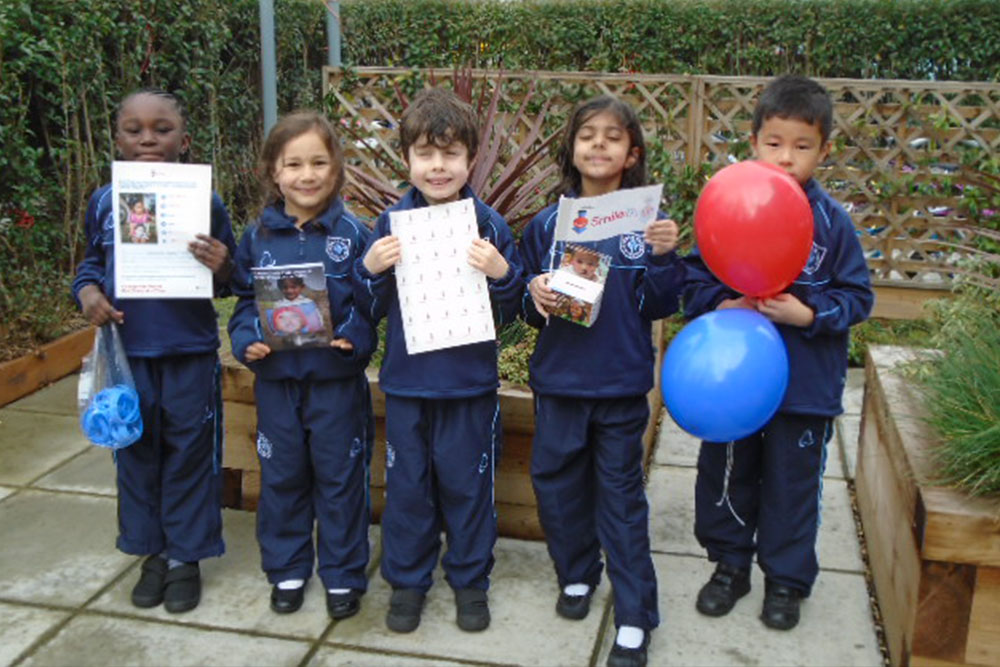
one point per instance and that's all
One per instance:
(517, 515)
(934, 552)
(53, 361)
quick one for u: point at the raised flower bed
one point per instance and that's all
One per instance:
(934, 551)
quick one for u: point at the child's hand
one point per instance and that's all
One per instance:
(662, 235)
(484, 256)
(786, 309)
(342, 344)
(542, 296)
(256, 351)
(213, 253)
(96, 307)
(383, 255)
(742, 302)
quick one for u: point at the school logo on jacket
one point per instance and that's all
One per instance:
(632, 245)
(338, 248)
(815, 259)
(263, 446)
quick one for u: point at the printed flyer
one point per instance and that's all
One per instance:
(158, 208)
(293, 306)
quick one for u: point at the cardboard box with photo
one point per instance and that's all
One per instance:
(579, 282)
(293, 306)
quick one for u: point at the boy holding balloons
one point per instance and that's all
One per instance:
(759, 494)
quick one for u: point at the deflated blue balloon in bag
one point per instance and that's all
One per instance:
(725, 375)
(113, 419)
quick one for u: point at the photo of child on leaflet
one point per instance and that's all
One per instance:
(293, 307)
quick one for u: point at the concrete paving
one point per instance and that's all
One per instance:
(64, 589)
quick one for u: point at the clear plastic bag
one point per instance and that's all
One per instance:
(106, 397)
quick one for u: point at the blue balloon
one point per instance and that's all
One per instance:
(725, 375)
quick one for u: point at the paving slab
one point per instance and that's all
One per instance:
(524, 629)
(849, 433)
(676, 447)
(58, 398)
(329, 656)
(22, 626)
(235, 593)
(854, 391)
(100, 640)
(32, 444)
(93, 471)
(836, 626)
(58, 549)
(671, 499)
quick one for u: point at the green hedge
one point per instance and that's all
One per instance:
(64, 65)
(904, 39)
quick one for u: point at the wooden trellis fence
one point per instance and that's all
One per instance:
(898, 145)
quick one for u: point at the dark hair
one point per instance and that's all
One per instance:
(439, 115)
(795, 97)
(287, 128)
(157, 92)
(632, 177)
(290, 279)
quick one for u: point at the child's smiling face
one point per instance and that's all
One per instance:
(602, 151)
(792, 144)
(438, 171)
(150, 128)
(306, 176)
(585, 265)
(291, 290)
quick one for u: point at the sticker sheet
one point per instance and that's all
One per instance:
(444, 302)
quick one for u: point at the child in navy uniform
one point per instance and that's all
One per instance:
(169, 485)
(313, 404)
(586, 459)
(442, 413)
(761, 495)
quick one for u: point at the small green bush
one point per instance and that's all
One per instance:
(962, 388)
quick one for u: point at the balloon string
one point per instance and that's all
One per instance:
(725, 485)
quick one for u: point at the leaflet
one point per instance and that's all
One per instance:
(158, 208)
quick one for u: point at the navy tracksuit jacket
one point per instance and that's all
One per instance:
(169, 482)
(442, 427)
(775, 480)
(314, 417)
(590, 389)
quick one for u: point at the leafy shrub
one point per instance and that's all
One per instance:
(962, 388)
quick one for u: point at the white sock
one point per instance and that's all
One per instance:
(338, 591)
(291, 584)
(576, 589)
(630, 636)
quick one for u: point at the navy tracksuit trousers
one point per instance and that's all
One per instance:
(586, 467)
(440, 463)
(762, 495)
(169, 481)
(313, 441)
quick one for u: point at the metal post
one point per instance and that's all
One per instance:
(333, 32)
(268, 65)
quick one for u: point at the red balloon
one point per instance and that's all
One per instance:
(754, 228)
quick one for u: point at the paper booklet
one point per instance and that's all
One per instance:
(443, 301)
(293, 306)
(158, 208)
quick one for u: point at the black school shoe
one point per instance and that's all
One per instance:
(781, 606)
(405, 607)
(287, 600)
(182, 590)
(148, 591)
(727, 585)
(472, 609)
(343, 605)
(629, 657)
(574, 607)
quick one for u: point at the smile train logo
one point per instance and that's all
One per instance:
(580, 222)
